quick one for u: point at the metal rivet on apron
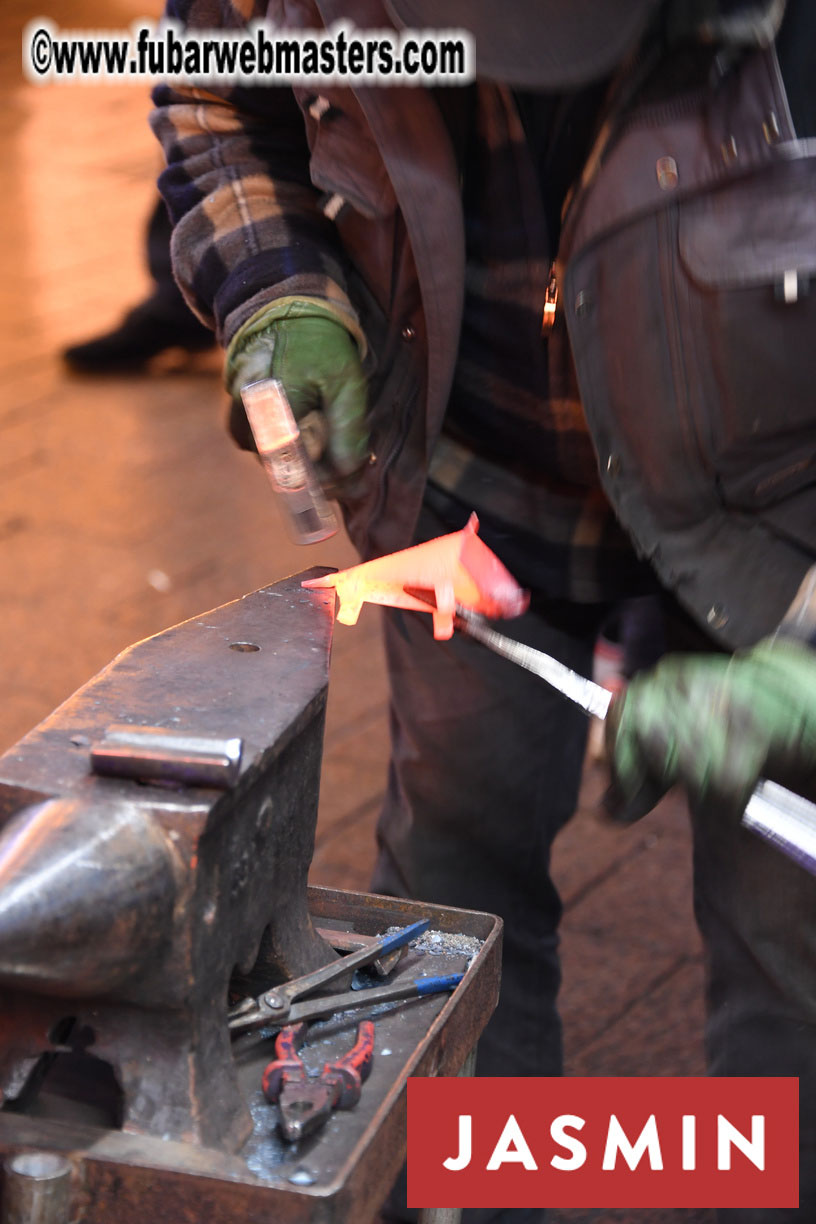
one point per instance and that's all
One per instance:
(333, 206)
(318, 108)
(770, 128)
(408, 333)
(790, 286)
(666, 170)
(729, 150)
(613, 465)
(583, 303)
(717, 616)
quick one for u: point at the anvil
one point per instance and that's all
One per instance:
(127, 907)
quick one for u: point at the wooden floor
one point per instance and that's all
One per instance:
(124, 509)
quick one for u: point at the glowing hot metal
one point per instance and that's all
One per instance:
(437, 576)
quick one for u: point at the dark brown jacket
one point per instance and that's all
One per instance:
(687, 258)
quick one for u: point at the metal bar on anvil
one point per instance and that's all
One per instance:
(167, 755)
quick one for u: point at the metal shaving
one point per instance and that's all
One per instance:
(443, 943)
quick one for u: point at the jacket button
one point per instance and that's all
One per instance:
(729, 150)
(666, 171)
(613, 465)
(717, 616)
(770, 129)
(583, 303)
(408, 333)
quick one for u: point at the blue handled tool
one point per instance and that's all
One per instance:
(278, 1007)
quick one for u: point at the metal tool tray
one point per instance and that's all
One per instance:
(339, 1175)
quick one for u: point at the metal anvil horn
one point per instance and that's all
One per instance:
(131, 898)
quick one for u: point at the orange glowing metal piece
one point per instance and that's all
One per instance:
(452, 569)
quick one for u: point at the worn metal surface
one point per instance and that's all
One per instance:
(37, 1189)
(343, 1172)
(126, 909)
(87, 893)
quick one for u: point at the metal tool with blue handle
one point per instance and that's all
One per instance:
(278, 1007)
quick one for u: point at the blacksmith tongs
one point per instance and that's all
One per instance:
(278, 1007)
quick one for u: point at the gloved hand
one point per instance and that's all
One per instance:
(303, 343)
(715, 724)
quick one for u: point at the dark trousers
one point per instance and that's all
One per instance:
(486, 765)
(757, 914)
(485, 770)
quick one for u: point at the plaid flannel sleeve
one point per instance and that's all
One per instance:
(247, 224)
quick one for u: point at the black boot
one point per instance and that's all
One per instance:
(143, 333)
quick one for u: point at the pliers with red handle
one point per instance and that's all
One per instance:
(305, 1102)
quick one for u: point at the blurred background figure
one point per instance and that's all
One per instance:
(163, 321)
(109, 532)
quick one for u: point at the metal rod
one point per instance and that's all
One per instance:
(159, 754)
(586, 693)
(781, 817)
(449, 1215)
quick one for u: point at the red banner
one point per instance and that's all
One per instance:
(651, 1142)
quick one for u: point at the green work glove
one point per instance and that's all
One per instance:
(715, 724)
(305, 344)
